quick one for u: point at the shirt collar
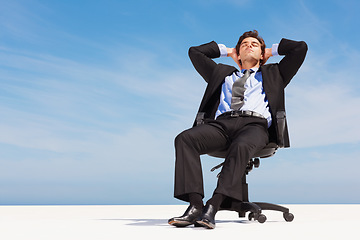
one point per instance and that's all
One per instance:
(254, 69)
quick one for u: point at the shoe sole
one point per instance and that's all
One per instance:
(207, 225)
(180, 223)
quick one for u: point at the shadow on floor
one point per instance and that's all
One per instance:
(164, 222)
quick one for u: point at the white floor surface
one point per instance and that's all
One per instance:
(150, 222)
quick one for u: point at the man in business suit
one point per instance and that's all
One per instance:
(241, 111)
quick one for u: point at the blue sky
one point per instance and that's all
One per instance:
(93, 93)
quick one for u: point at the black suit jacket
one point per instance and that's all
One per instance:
(275, 78)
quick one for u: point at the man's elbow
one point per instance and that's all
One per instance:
(303, 46)
(191, 51)
(301, 49)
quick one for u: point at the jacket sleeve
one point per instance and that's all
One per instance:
(295, 52)
(201, 57)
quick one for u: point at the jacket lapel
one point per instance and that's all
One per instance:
(218, 78)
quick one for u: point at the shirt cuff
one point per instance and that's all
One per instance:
(274, 49)
(223, 50)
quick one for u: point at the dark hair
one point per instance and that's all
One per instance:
(253, 34)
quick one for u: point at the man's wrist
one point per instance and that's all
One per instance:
(223, 50)
(274, 50)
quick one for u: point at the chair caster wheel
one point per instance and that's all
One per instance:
(288, 217)
(251, 216)
(261, 218)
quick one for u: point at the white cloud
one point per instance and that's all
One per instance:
(322, 102)
(324, 114)
(64, 108)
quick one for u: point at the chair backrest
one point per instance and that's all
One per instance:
(268, 151)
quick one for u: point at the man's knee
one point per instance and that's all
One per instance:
(181, 138)
(240, 150)
(245, 149)
(242, 147)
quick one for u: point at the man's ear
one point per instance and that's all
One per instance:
(262, 59)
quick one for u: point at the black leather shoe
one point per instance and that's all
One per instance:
(207, 219)
(190, 216)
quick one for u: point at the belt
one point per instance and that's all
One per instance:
(237, 113)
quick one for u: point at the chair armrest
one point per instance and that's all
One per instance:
(281, 122)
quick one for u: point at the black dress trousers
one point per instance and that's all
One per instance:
(241, 136)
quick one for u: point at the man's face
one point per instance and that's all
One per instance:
(250, 50)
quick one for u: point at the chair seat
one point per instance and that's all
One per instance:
(268, 151)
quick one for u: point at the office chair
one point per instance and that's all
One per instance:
(254, 208)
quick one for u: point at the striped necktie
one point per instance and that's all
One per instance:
(238, 90)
